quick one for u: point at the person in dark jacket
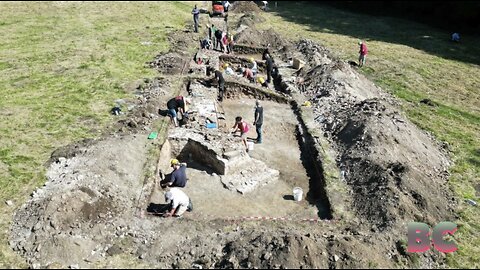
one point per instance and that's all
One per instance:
(266, 54)
(174, 105)
(218, 38)
(269, 64)
(221, 84)
(196, 13)
(258, 120)
(178, 177)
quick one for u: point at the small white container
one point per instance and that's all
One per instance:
(250, 146)
(297, 194)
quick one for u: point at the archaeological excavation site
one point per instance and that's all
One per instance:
(363, 169)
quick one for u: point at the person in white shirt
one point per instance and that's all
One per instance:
(228, 70)
(226, 5)
(179, 202)
(253, 66)
(265, 5)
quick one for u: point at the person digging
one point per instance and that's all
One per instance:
(218, 77)
(179, 203)
(177, 104)
(178, 177)
(242, 126)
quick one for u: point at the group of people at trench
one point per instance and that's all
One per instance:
(177, 200)
(174, 183)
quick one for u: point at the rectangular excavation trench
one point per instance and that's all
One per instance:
(287, 147)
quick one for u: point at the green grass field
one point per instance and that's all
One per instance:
(413, 62)
(62, 66)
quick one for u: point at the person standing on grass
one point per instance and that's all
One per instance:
(241, 126)
(363, 54)
(258, 120)
(196, 13)
(456, 37)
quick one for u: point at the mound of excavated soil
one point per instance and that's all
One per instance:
(250, 19)
(257, 38)
(84, 201)
(244, 7)
(396, 171)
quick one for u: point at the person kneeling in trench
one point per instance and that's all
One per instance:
(178, 178)
(179, 203)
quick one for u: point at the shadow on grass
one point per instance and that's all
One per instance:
(320, 17)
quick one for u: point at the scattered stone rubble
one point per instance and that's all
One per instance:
(216, 147)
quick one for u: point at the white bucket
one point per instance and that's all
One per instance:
(250, 146)
(297, 194)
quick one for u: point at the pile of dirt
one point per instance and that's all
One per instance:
(250, 19)
(87, 199)
(260, 38)
(245, 7)
(396, 171)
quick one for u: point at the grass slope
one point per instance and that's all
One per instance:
(62, 66)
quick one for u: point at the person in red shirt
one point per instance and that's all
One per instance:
(243, 127)
(363, 54)
(247, 73)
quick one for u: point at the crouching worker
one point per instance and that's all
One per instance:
(243, 127)
(177, 104)
(262, 81)
(179, 203)
(178, 178)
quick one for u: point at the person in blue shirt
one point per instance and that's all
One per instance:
(178, 178)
